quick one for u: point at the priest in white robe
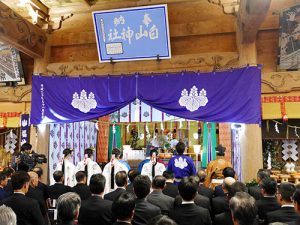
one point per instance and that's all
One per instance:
(110, 170)
(88, 165)
(67, 167)
(153, 167)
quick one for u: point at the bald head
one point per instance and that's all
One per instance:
(228, 181)
(34, 178)
(201, 174)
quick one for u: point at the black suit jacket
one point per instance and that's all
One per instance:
(164, 202)
(8, 188)
(284, 214)
(219, 191)
(37, 194)
(121, 223)
(171, 190)
(223, 218)
(205, 191)
(219, 205)
(44, 188)
(144, 211)
(26, 209)
(57, 190)
(255, 192)
(190, 214)
(129, 188)
(199, 200)
(82, 190)
(111, 196)
(94, 211)
(265, 205)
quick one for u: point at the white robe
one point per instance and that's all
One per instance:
(92, 168)
(147, 169)
(107, 174)
(69, 175)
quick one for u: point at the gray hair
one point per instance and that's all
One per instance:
(68, 206)
(243, 208)
(7, 216)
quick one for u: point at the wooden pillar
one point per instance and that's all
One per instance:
(103, 135)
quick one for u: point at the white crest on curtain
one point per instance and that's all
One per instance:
(193, 101)
(83, 102)
(180, 163)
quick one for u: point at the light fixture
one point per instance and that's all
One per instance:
(197, 149)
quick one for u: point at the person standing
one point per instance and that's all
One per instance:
(153, 167)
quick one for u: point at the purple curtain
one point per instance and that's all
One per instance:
(227, 96)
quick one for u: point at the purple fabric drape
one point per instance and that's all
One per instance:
(227, 96)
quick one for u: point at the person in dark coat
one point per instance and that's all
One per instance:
(202, 190)
(255, 191)
(58, 188)
(227, 172)
(81, 188)
(26, 209)
(96, 210)
(3, 183)
(43, 187)
(296, 198)
(121, 182)
(68, 206)
(170, 189)
(132, 174)
(9, 172)
(123, 208)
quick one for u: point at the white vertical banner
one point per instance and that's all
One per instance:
(145, 112)
(135, 111)
(124, 114)
(156, 115)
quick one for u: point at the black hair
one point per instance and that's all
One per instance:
(121, 178)
(168, 174)
(159, 182)
(188, 188)
(89, 152)
(97, 184)
(180, 147)
(116, 152)
(80, 175)
(58, 175)
(236, 187)
(220, 150)
(8, 171)
(141, 186)
(18, 179)
(153, 151)
(296, 196)
(26, 146)
(269, 185)
(263, 173)
(38, 170)
(161, 220)
(67, 152)
(287, 191)
(228, 172)
(132, 174)
(2, 176)
(123, 206)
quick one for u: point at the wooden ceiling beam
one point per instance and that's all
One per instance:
(251, 15)
(21, 34)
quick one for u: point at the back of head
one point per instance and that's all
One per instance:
(169, 175)
(159, 182)
(58, 175)
(18, 179)
(38, 170)
(228, 172)
(243, 208)
(220, 150)
(141, 186)
(121, 178)
(7, 216)
(262, 174)
(123, 206)
(2, 176)
(188, 188)
(236, 187)
(34, 178)
(68, 206)
(132, 174)
(89, 152)
(67, 151)
(116, 152)
(161, 220)
(296, 197)
(180, 147)
(287, 191)
(269, 186)
(227, 182)
(80, 176)
(97, 184)
(9, 171)
(26, 146)
(202, 175)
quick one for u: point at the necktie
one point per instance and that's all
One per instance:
(153, 170)
(112, 178)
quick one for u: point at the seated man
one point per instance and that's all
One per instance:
(153, 167)
(43, 187)
(7, 216)
(297, 207)
(3, 183)
(68, 206)
(26, 209)
(171, 189)
(58, 188)
(202, 190)
(121, 182)
(123, 208)
(132, 174)
(255, 191)
(81, 188)
(188, 213)
(227, 172)
(9, 172)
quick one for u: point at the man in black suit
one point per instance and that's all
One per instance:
(296, 198)
(96, 210)
(144, 210)
(225, 218)
(243, 209)
(287, 211)
(268, 202)
(26, 209)
(81, 188)
(43, 187)
(68, 206)
(121, 182)
(123, 208)
(132, 174)
(227, 172)
(202, 190)
(58, 188)
(255, 191)
(171, 189)
(188, 213)
(3, 183)
(9, 172)
(156, 197)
